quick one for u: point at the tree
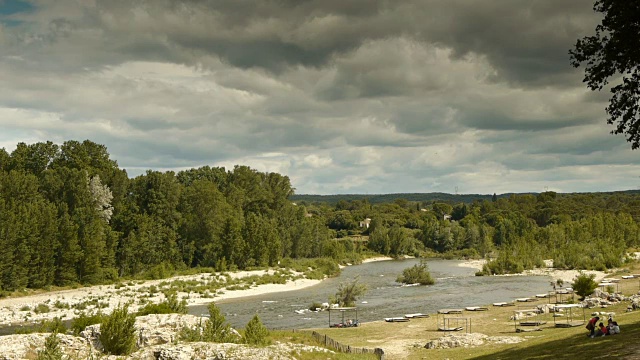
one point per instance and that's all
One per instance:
(217, 329)
(118, 332)
(52, 350)
(584, 284)
(255, 333)
(417, 274)
(348, 292)
(614, 51)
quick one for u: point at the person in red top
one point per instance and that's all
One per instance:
(603, 330)
(591, 325)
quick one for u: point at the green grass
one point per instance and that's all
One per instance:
(304, 337)
(407, 340)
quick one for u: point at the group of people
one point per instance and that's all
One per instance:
(612, 327)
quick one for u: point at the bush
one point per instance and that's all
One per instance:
(41, 309)
(348, 292)
(170, 306)
(83, 320)
(315, 306)
(118, 332)
(216, 329)
(54, 325)
(255, 333)
(51, 349)
(584, 284)
(417, 274)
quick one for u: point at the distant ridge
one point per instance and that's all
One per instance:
(389, 198)
(423, 197)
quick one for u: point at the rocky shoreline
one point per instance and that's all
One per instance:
(566, 276)
(67, 304)
(157, 340)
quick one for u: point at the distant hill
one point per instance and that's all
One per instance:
(389, 198)
(421, 197)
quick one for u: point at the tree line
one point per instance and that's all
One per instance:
(69, 214)
(577, 231)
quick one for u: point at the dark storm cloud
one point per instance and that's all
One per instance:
(342, 96)
(525, 41)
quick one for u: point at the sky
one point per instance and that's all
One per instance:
(357, 97)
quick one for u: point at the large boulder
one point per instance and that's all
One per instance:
(26, 346)
(154, 329)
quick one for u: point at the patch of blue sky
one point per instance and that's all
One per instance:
(10, 7)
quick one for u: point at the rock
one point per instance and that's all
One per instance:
(157, 341)
(26, 346)
(469, 340)
(212, 351)
(155, 329)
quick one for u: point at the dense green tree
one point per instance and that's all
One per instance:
(118, 331)
(584, 284)
(614, 52)
(5, 160)
(417, 274)
(34, 158)
(256, 333)
(204, 211)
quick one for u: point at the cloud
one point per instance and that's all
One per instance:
(358, 96)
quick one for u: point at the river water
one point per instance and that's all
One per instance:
(455, 287)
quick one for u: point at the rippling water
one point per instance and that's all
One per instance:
(455, 287)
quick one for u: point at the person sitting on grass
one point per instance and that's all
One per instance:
(591, 325)
(603, 330)
(613, 327)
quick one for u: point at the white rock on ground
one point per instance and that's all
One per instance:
(157, 335)
(470, 340)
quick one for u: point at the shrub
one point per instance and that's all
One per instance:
(417, 274)
(54, 325)
(61, 305)
(83, 320)
(314, 306)
(584, 284)
(169, 306)
(51, 349)
(216, 329)
(117, 332)
(255, 333)
(348, 292)
(42, 308)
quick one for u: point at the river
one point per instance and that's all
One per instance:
(455, 287)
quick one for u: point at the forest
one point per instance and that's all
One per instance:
(69, 215)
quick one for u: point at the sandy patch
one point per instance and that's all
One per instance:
(474, 264)
(377, 258)
(565, 275)
(67, 304)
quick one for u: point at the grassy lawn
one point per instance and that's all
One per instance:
(407, 340)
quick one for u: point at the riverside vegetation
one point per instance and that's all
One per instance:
(71, 217)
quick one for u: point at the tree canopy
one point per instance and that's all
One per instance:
(614, 53)
(69, 215)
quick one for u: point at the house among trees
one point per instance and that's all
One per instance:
(365, 223)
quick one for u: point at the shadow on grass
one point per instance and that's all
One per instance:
(623, 345)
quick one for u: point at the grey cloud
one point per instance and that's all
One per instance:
(526, 41)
